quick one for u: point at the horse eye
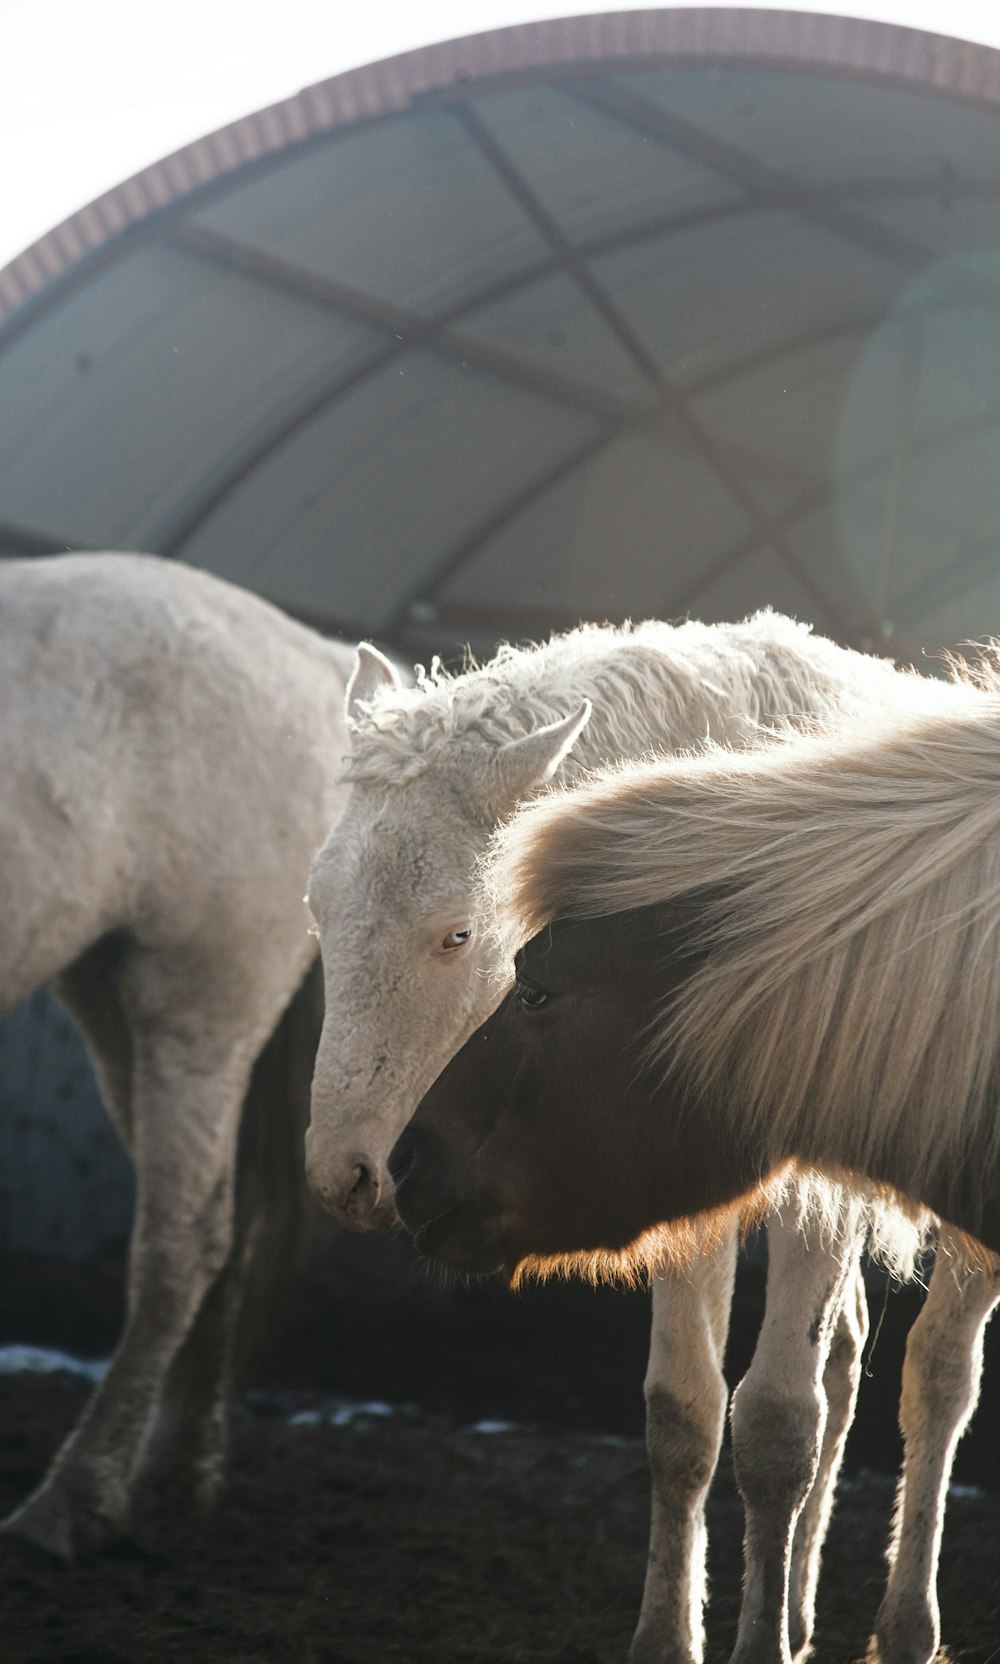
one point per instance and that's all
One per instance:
(530, 998)
(456, 938)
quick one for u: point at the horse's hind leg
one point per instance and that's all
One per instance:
(685, 1417)
(944, 1358)
(186, 1098)
(90, 992)
(779, 1418)
(190, 1424)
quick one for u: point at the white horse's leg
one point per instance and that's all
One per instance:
(184, 1455)
(841, 1379)
(779, 1419)
(186, 1100)
(944, 1358)
(182, 1460)
(89, 991)
(685, 1418)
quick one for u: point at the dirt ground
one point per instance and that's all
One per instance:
(417, 1536)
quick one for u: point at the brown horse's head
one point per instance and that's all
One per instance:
(546, 1136)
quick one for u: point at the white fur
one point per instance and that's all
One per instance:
(433, 771)
(165, 759)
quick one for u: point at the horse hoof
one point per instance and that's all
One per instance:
(799, 1642)
(913, 1639)
(652, 1644)
(49, 1522)
(40, 1524)
(167, 1498)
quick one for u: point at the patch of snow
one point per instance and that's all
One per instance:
(352, 1412)
(341, 1414)
(42, 1360)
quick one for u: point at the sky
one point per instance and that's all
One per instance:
(93, 90)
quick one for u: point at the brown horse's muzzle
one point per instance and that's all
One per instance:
(446, 1227)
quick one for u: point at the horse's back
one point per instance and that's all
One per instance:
(169, 747)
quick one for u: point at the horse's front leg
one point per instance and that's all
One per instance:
(779, 1419)
(186, 1103)
(841, 1379)
(685, 1418)
(944, 1360)
(182, 1462)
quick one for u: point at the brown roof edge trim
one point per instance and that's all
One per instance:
(393, 85)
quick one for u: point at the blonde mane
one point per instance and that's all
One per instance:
(847, 1003)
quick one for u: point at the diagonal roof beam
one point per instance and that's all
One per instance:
(822, 493)
(565, 254)
(669, 396)
(408, 330)
(416, 332)
(807, 201)
(811, 500)
(430, 583)
(978, 557)
(424, 332)
(759, 179)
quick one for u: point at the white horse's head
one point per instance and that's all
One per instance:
(405, 963)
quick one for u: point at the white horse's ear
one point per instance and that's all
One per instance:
(521, 765)
(372, 671)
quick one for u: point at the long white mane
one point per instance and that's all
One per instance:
(849, 899)
(653, 686)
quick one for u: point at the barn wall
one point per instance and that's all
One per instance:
(66, 1184)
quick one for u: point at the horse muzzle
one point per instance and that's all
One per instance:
(454, 1233)
(352, 1188)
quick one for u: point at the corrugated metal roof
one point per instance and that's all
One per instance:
(648, 313)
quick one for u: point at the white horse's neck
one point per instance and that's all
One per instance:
(652, 687)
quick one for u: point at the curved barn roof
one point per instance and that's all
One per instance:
(647, 313)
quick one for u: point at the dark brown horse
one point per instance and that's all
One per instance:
(785, 956)
(513, 1158)
(733, 965)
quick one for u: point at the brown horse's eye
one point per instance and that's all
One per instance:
(530, 998)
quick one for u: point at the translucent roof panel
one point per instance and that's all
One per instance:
(330, 504)
(379, 210)
(550, 323)
(594, 173)
(615, 532)
(664, 312)
(853, 128)
(141, 384)
(746, 285)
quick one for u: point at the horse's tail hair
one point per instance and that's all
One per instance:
(273, 1205)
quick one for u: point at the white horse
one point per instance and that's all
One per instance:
(166, 767)
(433, 771)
